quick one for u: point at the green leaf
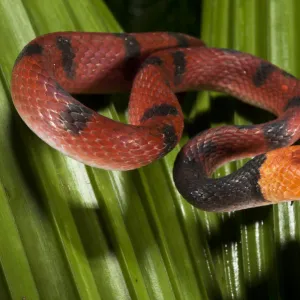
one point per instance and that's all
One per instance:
(75, 232)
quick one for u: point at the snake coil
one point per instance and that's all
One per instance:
(155, 66)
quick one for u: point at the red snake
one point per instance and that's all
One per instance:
(155, 66)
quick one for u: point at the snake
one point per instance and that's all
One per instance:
(154, 67)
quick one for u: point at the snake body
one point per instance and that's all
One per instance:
(155, 66)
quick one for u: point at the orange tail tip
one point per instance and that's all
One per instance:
(280, 175)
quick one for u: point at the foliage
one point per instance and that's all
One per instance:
(74, 232)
